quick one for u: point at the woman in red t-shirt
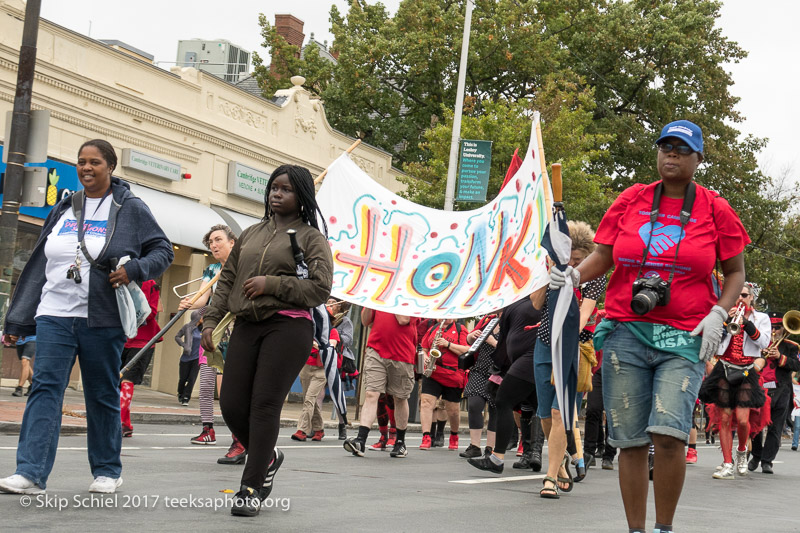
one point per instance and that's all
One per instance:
(447, 380)
(653, 365)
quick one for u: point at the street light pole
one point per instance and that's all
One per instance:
(16, 145)
(454, 140)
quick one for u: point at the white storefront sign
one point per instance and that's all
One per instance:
(247, 182)
(155, 166)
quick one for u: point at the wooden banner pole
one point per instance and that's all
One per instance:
(325, 172)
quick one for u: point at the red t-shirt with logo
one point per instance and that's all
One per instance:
(315, 360)
(713, 231)
(391, 340)
(457, 335)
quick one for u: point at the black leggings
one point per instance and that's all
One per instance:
(512, 392)
(263, 360)
(475, 405)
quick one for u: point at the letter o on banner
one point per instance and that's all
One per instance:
(424, 274)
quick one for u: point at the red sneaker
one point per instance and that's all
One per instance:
(380, 445)
(426, 443)
(299, 435)
(519, 449)
(453, 442)
(318, 435)
(691, 456)
(206, 437)
(236, 454)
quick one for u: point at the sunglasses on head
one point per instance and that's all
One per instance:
(682, 149)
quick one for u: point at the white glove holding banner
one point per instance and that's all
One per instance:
(558, 278)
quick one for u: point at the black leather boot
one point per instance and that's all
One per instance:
(537, 441)
(342, 432)
(525, 432)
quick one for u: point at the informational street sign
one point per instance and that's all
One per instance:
(475, 160)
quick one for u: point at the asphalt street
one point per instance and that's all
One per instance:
(171, 485)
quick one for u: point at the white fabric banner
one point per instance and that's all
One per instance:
(396, 256)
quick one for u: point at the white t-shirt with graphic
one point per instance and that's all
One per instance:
(62, 296)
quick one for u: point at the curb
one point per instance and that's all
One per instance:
(13, 428)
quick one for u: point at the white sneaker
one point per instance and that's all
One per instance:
(741, 462)
(725, 473)
(18, 484)
(106, 485)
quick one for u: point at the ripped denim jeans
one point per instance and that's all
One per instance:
(646, 390)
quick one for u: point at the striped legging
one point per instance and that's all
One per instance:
(208, 384)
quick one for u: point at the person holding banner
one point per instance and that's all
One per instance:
(663, 319)
(72, 265)
(274, 331)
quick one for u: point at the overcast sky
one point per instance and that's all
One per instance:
(766, 81)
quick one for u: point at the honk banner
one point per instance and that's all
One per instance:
(393, 255)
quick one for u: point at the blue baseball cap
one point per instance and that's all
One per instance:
(688, 132)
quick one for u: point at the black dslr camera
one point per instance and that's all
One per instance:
(648, 293)
(74, 273)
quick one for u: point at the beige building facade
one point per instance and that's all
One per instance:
(164, 126)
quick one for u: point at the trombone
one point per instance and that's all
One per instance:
(791, 326)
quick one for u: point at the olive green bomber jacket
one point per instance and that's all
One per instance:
(262, 250)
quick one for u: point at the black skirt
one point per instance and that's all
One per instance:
(718, 390)
(479, 374)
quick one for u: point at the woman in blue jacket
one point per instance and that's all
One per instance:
(65, 296)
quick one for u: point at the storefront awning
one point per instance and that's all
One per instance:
(237, 221)
(184, 221)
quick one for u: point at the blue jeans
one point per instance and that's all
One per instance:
(646, 390)
(542, 372)
(796, 435)
(58, 341)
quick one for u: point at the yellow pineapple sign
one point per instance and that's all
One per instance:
(52, 190)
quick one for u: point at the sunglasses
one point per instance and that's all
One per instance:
(744, 295)
(682, 149)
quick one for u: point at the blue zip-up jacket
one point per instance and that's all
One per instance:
(131, 231)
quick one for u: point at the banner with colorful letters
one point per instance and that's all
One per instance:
(396, 256)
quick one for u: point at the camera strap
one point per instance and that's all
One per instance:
(78, 204)
(686, 213)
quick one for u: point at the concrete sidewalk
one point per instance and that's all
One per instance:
(155, 407)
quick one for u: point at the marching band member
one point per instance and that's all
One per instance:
(733, 384)
(782, 361)
(447, 381)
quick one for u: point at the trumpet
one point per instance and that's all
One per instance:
(735, 324)
(434, 354)
(791, 326)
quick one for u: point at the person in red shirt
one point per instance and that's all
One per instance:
(388, 367)
(657, 335)
(447, 380)
(733, 383)
(135, 374)
(313, 380)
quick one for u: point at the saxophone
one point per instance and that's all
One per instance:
(434, 354)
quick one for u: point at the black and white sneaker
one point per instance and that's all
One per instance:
(354, 446)
(246, 502)
(399, 449)
(272, 469)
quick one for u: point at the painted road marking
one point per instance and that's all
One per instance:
(497, 479)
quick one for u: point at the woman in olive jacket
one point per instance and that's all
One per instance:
(274, 331)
